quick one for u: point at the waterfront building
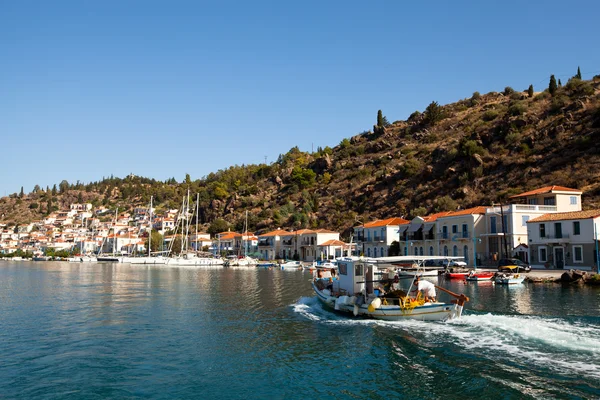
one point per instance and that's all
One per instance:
(270, 244)
(565, 240)
(506, 225)
(374, 238)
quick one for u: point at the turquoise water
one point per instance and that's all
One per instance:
(97, 331)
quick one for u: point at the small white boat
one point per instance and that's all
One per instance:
(353, 291)
(510, 279)
(291, 265)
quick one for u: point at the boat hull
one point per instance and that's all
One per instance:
(425, 312)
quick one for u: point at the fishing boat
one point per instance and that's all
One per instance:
(509, 279)
(356, 291)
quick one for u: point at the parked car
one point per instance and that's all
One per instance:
(513, 265)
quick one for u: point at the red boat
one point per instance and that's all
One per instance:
(456, 275)
(479, 276)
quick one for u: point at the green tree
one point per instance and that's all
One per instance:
(79, 198)
(559, 83)
(217, 226)
(552, 85)
(578, 76)
(188, 180)
(433, 113)
(36, 188)
(21, 194)
(156, 241)
(176, 245)
(63, 186)
(530, 91)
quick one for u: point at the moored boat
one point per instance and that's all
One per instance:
(291, 265)
(356, 291)
(509, 279)
(474, 276)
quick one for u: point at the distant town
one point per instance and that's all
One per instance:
(545, 227)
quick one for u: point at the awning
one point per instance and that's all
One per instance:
(414, 227)
(402, 228)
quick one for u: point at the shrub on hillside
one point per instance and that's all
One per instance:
(508, 91)
(558, 103)
(517, 108)
(513, 137)
(489, 115)
(577, 88)
(433, 113)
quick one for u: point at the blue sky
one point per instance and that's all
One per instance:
(161, 89)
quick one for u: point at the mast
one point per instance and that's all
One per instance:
(115, 232)
(245, 233)
(197, 212)
(150, 231)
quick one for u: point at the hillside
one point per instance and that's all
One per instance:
(472, 152)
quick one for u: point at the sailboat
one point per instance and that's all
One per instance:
(149, 259)
(188, 258)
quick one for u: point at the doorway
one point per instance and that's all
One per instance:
(559, 258)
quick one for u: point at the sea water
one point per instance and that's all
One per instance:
(98, 331)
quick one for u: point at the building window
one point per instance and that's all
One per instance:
(444, 232)
(493, 228)
(573, 200)
(369, 252)
(524, 220)
(578, 254)
(421, 251)
(382, 255)
(430, 250)
(543, 254)
(558, 230)
(466, 253)
(454, 228)
(542, 230)
(465, 231)
(549, 201)
(445, 251)
(368, 236)
(576, 228)
(455, 251)
(416, 251)
(375, 252)
(533, 202)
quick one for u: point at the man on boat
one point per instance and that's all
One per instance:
(425, 287)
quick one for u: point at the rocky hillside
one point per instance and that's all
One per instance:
(475, 151)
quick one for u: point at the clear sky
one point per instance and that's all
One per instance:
(164, 88)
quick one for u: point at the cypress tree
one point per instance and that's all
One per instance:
(530, 91)
(559, 83)
(578, 76)
(379, 118)
(552, 86)
(22, 193)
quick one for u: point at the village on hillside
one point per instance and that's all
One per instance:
(545, 227)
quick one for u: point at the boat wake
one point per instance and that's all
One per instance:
(566, 346)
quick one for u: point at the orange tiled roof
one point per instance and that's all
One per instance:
(303, 231)
(324, 231)
(333, 242)
(433, 217)
(386, 222)
(567, 216)
(468, 211)
(278, 232)
(547, 189)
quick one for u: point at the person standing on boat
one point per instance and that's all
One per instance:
(425, 287)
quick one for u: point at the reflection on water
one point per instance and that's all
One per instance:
(129, 331)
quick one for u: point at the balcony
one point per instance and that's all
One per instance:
(286, 242)
(264, 243)
(560, 238)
